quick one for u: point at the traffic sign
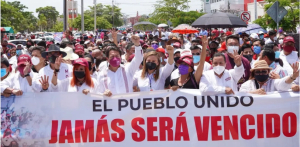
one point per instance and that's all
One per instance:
(245, 16)
(272, 12)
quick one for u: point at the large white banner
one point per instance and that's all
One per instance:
(151, 119)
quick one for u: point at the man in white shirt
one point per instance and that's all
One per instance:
(272, 37)
(219, 80)
(116, 78)
(22, 80)
(62, 70)
(289, 54)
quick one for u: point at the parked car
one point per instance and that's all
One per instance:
(18, 41)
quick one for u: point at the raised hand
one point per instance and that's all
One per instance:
(114, 34)
(237, 58)
(58, 62)
(170, 49)
(45, 82)
(228, 90)
(204, 41)
(27, 68)
(295, 67)
(135, 40)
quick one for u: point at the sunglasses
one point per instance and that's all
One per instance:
(196, 54)
(154, 43)
(261, 72)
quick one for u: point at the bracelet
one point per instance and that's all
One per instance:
(26, 75)
(292, 78)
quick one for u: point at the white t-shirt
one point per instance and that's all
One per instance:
(148, 83)
(65, 86)
(102, 65)
(17, 82)
(65, 71)
(118, 82)
(215, 85)
(175, 74)
(291, 58)
(270, 86)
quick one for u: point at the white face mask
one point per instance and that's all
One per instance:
(280, 41)
(218, 69)
(231, 49)
(35, 60)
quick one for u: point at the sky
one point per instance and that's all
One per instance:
(129, 7)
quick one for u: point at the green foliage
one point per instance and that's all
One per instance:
(166, 10)
(51, 15)
(288, 23)
(101, 23)
(185, 17)
(58, 27)
(143, 18)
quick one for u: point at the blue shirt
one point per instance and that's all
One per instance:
(202, 33)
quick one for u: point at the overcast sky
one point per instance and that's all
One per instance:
(129, 7)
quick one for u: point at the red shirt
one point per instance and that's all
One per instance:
(216, 32)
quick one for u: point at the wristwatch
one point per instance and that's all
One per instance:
(26, 75)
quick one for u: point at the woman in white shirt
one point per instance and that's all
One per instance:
(260, 83)
(80, 82)
(152, 77)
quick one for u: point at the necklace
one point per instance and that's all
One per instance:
(184, 82)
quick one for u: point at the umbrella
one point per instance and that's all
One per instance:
(219, 20)
(162, 25)
(184, 29)
(144, 26)
(251, 28)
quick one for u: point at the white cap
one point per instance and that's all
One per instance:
(261, 32)
(185, 52)
(254, 36)
(177, 50)
(86, 42)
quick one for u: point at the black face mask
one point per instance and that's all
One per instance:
(213, 49)
(176, 59)
(90, 66)
(52, 59)
(28, 46)
(79, 74)
(150, 65)
(261, 78)
(249, 57)
(80, 56)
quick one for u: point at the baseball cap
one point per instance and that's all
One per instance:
(177, 50)
(188, 61)
(79, 48)
(288, 39)
(81, 61)
(161, 50)
(261, 32)
(223, 47)
(254, 36)
(228, 33)
(185, 53)
(22, 59)
(177, 44)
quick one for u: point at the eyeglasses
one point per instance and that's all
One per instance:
(259, 72)
(154, 43)
(195, 53)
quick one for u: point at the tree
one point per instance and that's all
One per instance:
(185, 17)
(288, 23)
(101, 23)
(58, 27)
(42, 22)
(99, 10)
(50, 13)
(108, 14)
(166, 9)
(143, 18)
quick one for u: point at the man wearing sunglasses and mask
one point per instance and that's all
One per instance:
(62, 70)
(260, 83)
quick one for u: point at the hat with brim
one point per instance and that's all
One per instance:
(53, 48)
(81, 61)
(261, 64)
(188, 61)
(70, 54)
(22, 59)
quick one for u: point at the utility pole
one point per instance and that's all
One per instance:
(255, 9)
(95, 1)
(82, 18)
(72, 13)
(65, 15)
(113, 13)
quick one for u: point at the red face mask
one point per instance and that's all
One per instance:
(288, 48)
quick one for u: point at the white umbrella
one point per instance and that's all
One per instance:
(162, 25)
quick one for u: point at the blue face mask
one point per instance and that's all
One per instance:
(256, 49)
(277, 54)
(261, 36)
(18, 52)
(196, 58)
(3, 72)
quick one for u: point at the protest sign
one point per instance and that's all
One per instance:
(156, 118)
